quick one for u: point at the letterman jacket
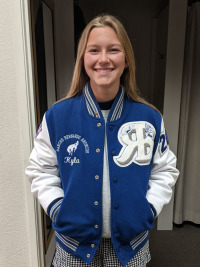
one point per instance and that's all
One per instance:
(66, 170)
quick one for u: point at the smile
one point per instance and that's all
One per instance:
(104, 70)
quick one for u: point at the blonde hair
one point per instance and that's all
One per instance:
(128, 80)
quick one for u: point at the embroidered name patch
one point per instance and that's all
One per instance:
(137, 140)
(73, 141)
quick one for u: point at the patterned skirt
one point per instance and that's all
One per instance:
(105, 256)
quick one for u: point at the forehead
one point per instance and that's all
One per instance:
(99, 34)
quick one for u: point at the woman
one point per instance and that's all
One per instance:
(101, 166)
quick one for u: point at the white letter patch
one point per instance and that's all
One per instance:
(137, 139)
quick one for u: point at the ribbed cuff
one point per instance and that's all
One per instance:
(153, 210)
(53, 208)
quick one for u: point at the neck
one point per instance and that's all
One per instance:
(104, 93)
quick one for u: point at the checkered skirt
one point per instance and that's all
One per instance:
(105, 256)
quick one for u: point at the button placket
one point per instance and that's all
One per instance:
(96, 203)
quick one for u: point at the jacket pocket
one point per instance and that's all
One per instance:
(54, 208)
(67, 241)
(153, 210)
(150, 212)
(139, 239)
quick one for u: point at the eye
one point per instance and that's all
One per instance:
(93, 51)
(114, 50)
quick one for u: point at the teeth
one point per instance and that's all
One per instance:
(104, 71)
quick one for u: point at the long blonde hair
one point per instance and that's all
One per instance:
(128, 80)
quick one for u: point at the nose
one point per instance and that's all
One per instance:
(103, 59)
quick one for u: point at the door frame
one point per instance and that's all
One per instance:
(173, 86)
(28, 118)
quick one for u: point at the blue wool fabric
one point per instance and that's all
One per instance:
(76, 129)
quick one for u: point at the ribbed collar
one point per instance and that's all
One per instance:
(94, 109)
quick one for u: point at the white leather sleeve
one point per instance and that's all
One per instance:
(163, 175)
(43, 171)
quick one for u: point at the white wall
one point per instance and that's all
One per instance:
(64, 22)
(14, 241)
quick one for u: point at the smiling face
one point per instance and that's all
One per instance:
(104, 62)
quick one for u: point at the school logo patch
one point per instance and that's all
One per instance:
(137, 140)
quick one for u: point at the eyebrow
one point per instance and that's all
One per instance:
(96, 45)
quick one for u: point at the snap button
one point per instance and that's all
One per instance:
(92, 245)
(97, 150)
(99, 124)
(115, 180)
(113, 153)
(116, 207)
(96, 226)
(88, 255)
(97, 177)
(111, 127)
(96, 203)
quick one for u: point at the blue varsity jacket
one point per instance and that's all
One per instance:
(66, 171)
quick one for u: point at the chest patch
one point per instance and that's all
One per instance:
(137, 140)
(70, 145)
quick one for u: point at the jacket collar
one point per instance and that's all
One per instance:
(94, 109)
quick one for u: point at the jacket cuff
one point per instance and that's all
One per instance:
(153, 210)
(53, 208)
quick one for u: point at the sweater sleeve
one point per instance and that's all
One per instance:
(43, 172)
(163, 175)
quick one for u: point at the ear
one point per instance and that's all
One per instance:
(126, 65)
